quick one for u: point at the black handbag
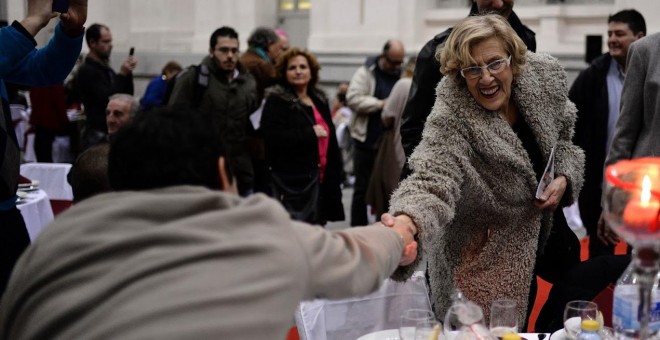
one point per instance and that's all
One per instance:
(561, 251)
(298, 193)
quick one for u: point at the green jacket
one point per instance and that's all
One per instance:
(230, 102)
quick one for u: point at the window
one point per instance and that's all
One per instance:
(295, 5)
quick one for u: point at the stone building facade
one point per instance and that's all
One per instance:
(340, 32)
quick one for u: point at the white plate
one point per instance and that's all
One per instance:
(22, 197)
(29, 186)
(559, 335)
(388, 334)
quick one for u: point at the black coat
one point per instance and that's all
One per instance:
(292, 146)
(589, 93)
(426, 78)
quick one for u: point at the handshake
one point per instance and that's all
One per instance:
(405, 226)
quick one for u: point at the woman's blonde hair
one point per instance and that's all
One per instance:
(455, 53)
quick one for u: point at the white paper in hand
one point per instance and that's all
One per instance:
(255, 117)
(548, 174)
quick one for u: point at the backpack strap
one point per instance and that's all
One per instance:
(201, 83)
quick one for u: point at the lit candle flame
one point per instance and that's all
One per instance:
(646, 191)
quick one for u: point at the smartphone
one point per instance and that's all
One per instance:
(131, 52)
(60, 6)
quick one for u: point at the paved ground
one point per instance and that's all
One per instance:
(347, 196)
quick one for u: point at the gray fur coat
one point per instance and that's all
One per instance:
(472, 189)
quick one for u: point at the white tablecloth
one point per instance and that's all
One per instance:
(51, 177)
(393, 334)
(36, 212)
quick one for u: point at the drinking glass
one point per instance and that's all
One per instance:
(607, 333)
(409, 321)
(503, 317)
(428, 330)
(575, 312)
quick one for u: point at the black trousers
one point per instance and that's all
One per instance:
(582, 282)
(363, 164)
(14, 239)
(43, 145)
(596, 246)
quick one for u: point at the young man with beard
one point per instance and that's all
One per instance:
(596, 93)
(221, 86)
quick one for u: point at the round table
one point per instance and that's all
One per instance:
(36, 211)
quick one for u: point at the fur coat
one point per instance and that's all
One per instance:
(471, 193)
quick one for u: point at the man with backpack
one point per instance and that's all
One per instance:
(221, 86)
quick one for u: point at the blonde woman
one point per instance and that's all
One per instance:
(471, 197)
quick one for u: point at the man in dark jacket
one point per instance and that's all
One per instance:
(222, 87)
(97, 81)
(427, 74)
(596, 93)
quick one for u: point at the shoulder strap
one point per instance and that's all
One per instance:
(201, 83)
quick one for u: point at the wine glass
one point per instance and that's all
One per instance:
(409, 321)
(465, 320)
(503, 317)
(575, 312)
(428, 330)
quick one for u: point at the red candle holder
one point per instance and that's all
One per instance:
(632, 200)
(631, 205)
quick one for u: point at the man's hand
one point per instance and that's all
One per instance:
(39, 13)
(605, 233)
(128, 66)
(405, 226)
(74, 20)
(552, 195)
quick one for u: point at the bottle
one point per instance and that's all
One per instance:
(589, 330)
(626, 306)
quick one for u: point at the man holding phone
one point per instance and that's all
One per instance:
(97, 81)
(22, 63)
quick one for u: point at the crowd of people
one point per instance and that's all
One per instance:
(199, 204)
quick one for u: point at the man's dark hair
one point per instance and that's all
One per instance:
(93, 33)
(262, 37)
(632, 18)
(89, 174)
(387, 46)
(167, 146)
(224, 31)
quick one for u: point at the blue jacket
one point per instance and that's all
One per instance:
(155, 93)
(22, 63)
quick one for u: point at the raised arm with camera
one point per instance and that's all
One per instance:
(22, 63)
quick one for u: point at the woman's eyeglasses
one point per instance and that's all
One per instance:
(494, 67)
